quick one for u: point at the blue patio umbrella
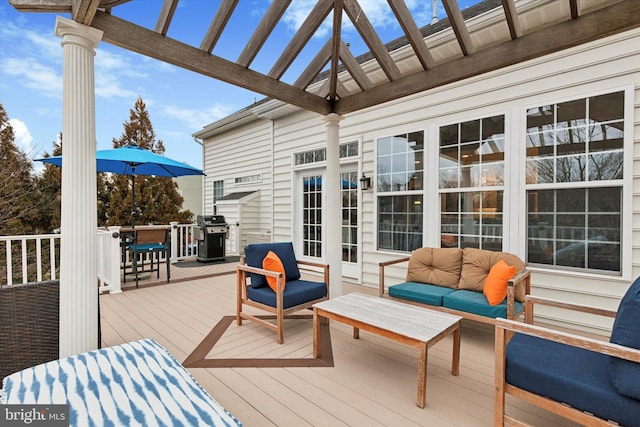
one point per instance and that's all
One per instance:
(133, 160)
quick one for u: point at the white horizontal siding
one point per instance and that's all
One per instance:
(244, 151)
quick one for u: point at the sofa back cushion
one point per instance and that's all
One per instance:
(435, 266)
(476, 264)
(624, 374)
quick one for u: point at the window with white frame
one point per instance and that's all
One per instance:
(248, 179)
(574, 183)
(399, 184)
(218, 192)
(471, 183)
(348, 149)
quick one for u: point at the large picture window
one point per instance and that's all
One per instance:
(471, 172)
(399, 183)
(574, 183)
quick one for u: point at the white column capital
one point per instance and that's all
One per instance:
(79, 34)
(332, 119)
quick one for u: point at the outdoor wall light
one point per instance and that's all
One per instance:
(365, 182)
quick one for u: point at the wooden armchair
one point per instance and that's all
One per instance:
(286, 293)
(590, 381)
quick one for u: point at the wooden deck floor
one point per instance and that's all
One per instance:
(373, 382)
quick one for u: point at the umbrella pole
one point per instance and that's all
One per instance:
(133, 200)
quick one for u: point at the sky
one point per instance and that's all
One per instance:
(179, 102)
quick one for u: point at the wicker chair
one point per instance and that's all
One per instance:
(29, 325)
(29, 319)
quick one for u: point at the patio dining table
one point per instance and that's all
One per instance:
(134, 384)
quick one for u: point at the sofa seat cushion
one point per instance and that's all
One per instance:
(437, 266)
(476, 264)
(420, 292)
(476, 303)
(255, 253)
(297, 292)
(570, 375)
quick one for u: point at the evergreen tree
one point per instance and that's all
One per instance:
(156, 198)
(19, 200)
(49, 184)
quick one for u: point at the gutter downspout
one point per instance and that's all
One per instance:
(273, 189)
(201, 142)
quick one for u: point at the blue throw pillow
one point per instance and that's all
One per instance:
(625, 375)
(255, 253)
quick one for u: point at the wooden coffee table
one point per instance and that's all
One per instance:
(415, 326)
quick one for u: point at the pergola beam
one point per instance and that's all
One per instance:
(261, 34)
(412, 32)
(166, 15)
(301, 38)
(459, 27)
(370, 37)
(83, 11)
(218, 24)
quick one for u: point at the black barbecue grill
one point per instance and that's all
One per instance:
(211, 233)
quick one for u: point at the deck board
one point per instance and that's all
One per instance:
(372, 383)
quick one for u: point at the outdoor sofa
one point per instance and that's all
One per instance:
(453, 280)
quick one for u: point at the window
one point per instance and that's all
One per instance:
(471, 175)
(400, 223)
(312, 216)
(349, 149)
(349, 193)
(574, 183)
(248, 179)
(218, 192)
(399, 182)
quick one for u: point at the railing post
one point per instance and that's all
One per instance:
(115, 257)
(174, 241)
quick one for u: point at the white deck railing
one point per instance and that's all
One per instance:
(35, 258)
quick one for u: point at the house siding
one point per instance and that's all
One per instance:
(245, 151)
(607, 65)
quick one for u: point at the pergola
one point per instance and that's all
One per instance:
(334, 83)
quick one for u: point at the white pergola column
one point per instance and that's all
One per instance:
(78, 246)
(333, 225)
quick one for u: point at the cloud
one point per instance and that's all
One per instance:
(377, 12)
(33, 74)
(48, 45)
(114, 70)
(195, 119)
(23, 138)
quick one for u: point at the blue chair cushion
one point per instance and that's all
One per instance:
(146, 247)
(420, 292)
(625, 374)
(568, 374)
(476, 303)
(255, 253)
(296, 292)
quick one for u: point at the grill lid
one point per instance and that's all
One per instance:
(206, 220)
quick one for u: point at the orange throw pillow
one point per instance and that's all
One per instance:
(273, 263)
(495, 286)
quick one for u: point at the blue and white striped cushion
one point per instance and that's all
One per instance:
(134, 384)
